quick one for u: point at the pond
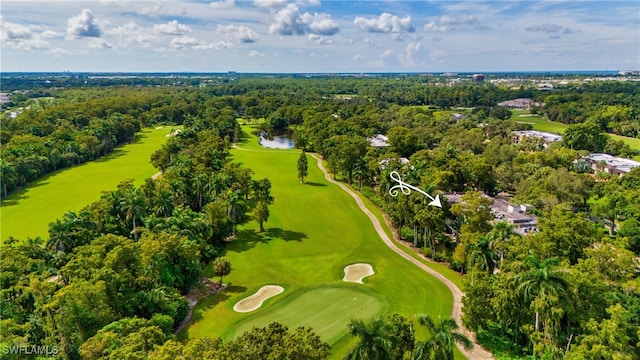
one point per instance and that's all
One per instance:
(277, 139)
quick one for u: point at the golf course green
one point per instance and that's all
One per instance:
(314, 230)
(28, 211)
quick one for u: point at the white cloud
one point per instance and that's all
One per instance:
(20, 37)
(386, 53)
(270, 4)
(452, 23)
(131, 34)
(84, 25)
(241, 33)
(254, 53)
(223, 4)
(173, 27)
(161, 9)
(49, 34)
(410, 52)
(289, 21)
(386, 23)
(547, 28)
(437, 55)
(320, 39)
(187, 42)
(100, 44)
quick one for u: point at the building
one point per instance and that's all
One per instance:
(547, 137)
(503, 210)
(519, 104)
(477, 78)
(611, 164)
(378, 140)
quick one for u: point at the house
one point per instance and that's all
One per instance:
(611, 164)
(546, 137)
(519, 104)
(378, 140)
(385, 162)
(503, 210)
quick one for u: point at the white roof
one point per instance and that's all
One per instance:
(622, 164)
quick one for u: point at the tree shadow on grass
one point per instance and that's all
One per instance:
(311, 183)
(209, 303)
(249, 238)
(287, 235)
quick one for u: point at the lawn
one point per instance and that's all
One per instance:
(541, 123)
(28, 211)
(314, 231)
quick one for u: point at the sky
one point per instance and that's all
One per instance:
(318, 36)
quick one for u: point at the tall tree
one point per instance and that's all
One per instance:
(543, 278)
(443, 336)
(261, 214)
(133, 205)
(222, 267)
(303, 166)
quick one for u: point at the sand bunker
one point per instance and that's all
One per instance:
(357, 272)
(254, 301)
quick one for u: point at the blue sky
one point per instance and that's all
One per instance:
(319, 36)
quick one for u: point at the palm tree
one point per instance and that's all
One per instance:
(543, 278)
(221, 267)
(501, 233)
(236, 209)
(376, 340)
(8, 176)
(200, 184)
(443, 336)
(482, 253)
(133, 205)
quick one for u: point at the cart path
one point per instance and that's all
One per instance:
(477, 352)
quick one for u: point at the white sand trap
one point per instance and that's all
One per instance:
(357, 272)
(254, 301)
(159, 127)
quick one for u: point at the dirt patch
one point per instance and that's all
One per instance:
(205, 288)
(356, 272)
(254, 301)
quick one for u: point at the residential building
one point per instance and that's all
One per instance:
(547, 137)
(503, 210)
(611, 164)
(378, 140)
(519, 104)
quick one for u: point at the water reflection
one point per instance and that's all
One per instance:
(278, 139)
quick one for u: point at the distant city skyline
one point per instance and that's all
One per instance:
(278, 36)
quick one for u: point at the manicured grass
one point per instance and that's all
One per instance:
(314, 231)
(28, 211)
(318, 307)
(541, 123)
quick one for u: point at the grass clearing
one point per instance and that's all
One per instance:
(27, 212)
(314, 231)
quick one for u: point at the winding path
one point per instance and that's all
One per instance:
(477, 352)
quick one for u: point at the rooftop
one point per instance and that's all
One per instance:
(378, 140)
(621, 164)
(539, 134)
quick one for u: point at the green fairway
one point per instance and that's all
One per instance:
(314, 231)
(540, 123)
(28, 211)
